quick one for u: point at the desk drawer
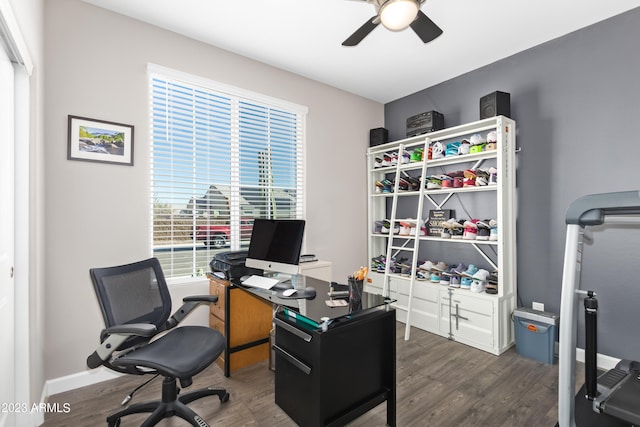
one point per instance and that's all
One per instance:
(218, 287)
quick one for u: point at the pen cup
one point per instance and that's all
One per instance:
(355, 294)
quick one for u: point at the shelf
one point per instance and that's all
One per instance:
(474, 318)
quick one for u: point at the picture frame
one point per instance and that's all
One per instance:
(94, 140)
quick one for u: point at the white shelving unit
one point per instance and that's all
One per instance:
(478, 319)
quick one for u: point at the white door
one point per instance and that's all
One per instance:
(7, 204)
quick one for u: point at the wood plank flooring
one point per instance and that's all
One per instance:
(439, 383)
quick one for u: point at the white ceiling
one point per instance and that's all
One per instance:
(305, 36)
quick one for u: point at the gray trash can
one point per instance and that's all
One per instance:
(536, 333)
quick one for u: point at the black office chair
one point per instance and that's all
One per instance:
(136, 305)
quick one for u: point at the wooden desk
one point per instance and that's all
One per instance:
(245, 320)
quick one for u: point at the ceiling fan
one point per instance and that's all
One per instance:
(396, 15)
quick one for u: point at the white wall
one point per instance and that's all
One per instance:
(97, 214)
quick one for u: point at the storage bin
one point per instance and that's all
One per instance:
(536, 333)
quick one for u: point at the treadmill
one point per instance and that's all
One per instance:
(611, 398)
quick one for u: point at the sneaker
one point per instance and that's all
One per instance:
(453, 149)
(440, 267)
(465, 283)
(434, 182)
(477, 286)
(422, 276)
(426, 266)
(406, 157)
(435, 277)
(437, 150)
(394, 159)
(386, 227)
(479, 148)
(386, 160)
(454, 281)
(416, 155)
(405, 229)
(445, 278)
(482, 177)
(457, 230)
(377, 162)
(491, 286)
(377, 227)
(470, 229)
(493, 232)
(447, 228)
(460, 268)
(470, 271)
(447, 181)
(481, 275)
(469, 178)
(493, 176)
(465, 146)
(484, 230)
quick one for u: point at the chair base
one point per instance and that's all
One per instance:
(169, 406)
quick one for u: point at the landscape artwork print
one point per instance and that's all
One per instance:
(100, 141)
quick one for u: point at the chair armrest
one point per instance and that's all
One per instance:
(138, 329)
(190, 303)
(117, 335)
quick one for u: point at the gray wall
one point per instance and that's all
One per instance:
(576, 102)
(98, 214)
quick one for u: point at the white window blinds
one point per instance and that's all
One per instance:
(220, 158)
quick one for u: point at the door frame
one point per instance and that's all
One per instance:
(16, 49)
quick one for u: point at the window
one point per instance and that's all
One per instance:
(220, 158)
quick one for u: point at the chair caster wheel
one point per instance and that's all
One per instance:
(224, 398)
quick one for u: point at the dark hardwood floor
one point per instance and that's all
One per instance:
(440, 383)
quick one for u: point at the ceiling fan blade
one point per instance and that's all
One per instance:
(425, 28)
(362, 32)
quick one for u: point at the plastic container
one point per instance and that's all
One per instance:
(536, 333)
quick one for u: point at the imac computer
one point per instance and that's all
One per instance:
(275, 247)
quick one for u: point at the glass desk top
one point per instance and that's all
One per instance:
(322, 304)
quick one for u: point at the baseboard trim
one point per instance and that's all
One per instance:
(77, 380)
(603, 361)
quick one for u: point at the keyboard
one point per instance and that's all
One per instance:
(260, 282)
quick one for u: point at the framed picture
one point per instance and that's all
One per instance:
(100, 141)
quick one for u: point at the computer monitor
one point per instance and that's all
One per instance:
(275, 245)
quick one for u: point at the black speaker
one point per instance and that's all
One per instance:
(378, 136)
(426, 122)
(495, 104)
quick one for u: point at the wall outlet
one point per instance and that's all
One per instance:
(537, 306)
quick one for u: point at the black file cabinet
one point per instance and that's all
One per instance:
(330, 378)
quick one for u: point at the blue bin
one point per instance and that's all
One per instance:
(536, 333)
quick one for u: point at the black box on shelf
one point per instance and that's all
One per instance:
(495, 104)
(378, 136)
(426, 122)
(436, 218)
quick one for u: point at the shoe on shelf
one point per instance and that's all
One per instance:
(447, 181)
(493, 232)
(481, 275)
(470, 229)
(426, 266)
(406, 157)
(435, 277)
(437, 150)
(470, 271)
(482, 177)
(377, 227)
(460, 268)
(394, 158)
(440, 267)
(403, 184)
(469, 178)
(493, 176)
(457, 229)
(416, 155)
(454, 281)
(405, 229)
(377, 162)
(465, 146)
(386, 227)
(422, 276)
(477, 286)
(453, 149)
(484, 230)
(465, 282)
(434, 182)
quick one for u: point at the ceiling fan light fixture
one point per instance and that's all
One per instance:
(396, 15)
